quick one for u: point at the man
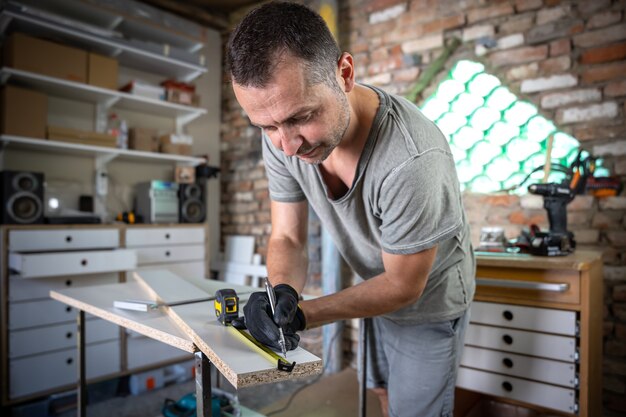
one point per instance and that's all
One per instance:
(382, 180)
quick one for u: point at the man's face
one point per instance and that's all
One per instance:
(306, 121)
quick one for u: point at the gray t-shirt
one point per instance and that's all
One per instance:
(405, 198)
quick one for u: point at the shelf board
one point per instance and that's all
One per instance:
(97, 95)
(127, 55)
(43, 145)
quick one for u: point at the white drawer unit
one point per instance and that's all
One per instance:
(39, 373)
(36, 313)
(545, 395)
(65, 239)
(61, 336)
(164, 236)
(527, 318)
(171, 253)
(38, 288)
(520, 341)
(38, 265)
(143, 351)
(538, 369)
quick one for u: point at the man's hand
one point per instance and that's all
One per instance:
(261, 324)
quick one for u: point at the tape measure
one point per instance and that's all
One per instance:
(226, 305)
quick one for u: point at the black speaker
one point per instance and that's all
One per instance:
(21, 195)
(192, 203)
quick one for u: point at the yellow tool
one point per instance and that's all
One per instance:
(226, 305)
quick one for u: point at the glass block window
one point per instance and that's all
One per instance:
(496, 138)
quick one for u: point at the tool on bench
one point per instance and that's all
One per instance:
(227, 309)
(272, 296)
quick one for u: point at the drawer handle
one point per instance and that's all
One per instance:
(167, 253)
(83, 262)
(507, 386)
(507, 315)
(68, 239)
(68, 283)
(507, 339)
(523, 285)
(167, 236)
(68, 309)
(68, 335)
(69, 361)
(507, 362)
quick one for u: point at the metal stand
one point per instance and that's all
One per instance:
(82, 384)
(203, 385)
(365, 323)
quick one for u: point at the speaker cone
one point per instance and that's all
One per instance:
(24, 207)
(192, 211)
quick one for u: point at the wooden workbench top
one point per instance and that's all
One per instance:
(580, 260)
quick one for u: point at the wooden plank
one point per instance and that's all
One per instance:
(241, 364)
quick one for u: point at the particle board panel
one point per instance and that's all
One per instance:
(241, 364)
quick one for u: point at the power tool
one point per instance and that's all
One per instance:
(226, 305)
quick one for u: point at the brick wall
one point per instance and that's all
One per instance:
(567, 57)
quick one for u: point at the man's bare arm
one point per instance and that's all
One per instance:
(401, 284)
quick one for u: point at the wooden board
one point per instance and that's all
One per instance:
(241, 364)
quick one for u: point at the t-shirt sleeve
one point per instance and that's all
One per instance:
(420, 203)
(283, 186)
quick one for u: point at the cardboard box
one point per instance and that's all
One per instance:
(142, 139)
(44, 57)
(24, 112)
(85, 137)
(176, 144)
(185, 174)
(102, 71)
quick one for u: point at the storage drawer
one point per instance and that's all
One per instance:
(38, 288)
(542, 370)
(520, 341)
(40, 313)
(71, 263)
(61, 336)
(66, 239)
(154, 255)
(561, 286)
(164, 236)
(43, 372)
(527, 318)
(549, 396)
(144, 351)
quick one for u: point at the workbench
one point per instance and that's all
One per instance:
(239, 363)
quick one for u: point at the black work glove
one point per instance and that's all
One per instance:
(259, 321)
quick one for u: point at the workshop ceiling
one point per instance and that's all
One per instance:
(212, 13)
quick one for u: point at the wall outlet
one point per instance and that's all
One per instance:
(102, 182)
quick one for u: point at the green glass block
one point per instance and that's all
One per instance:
(483, 118)
(601, 172)
(449, 89)
(501, 133)
(562, 145)
(571, 156)
(500, 98)
(457, 153)
(539, 128)
(519, 113)
(514, 180)
(466, 137)
(467, 172)
(483, 84)
(451, 122)
(464, 70)
(466, 103)
(434, 107)
(501, 168)
(483, 153)
(484, 184)
(533, 161)
(519, 149)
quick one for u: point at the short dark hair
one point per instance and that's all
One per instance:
(261, 39)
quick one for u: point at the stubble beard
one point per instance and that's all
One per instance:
(338, 131)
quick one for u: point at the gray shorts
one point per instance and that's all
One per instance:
(417, 364)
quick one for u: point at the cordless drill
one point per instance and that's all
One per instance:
(558, 241)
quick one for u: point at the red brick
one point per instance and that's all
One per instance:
(607, 219)
(600, 37)
(603, 72)
(376, 5)
(615, 89)
(555, 65)
(440, 25)
(609, 53)
(592, 132)
(517, 24)
(604, 18)
(525, 5)
(501, 200)
(496, 10)
(519, 56)
(560, 47)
